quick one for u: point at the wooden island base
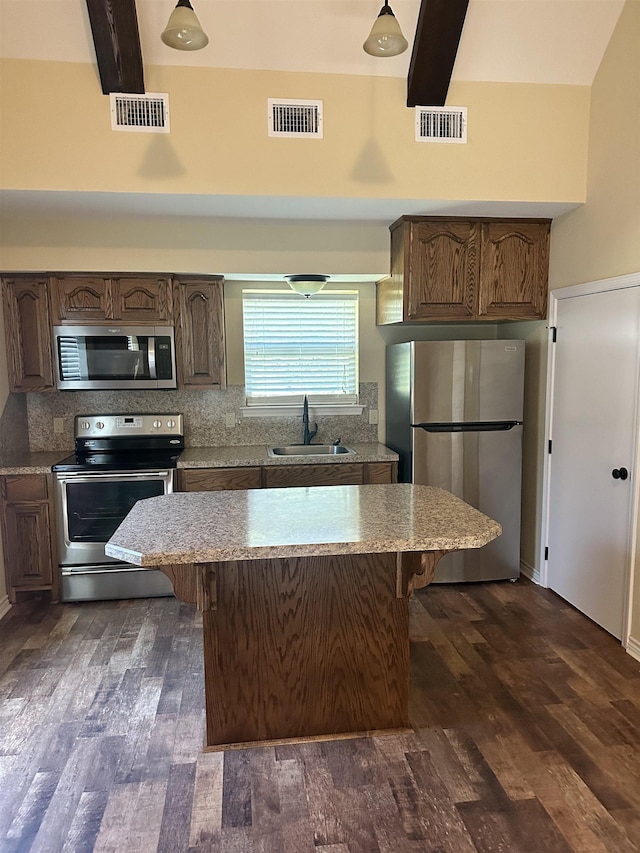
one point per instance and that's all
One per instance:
(304, 647)
(304, 593)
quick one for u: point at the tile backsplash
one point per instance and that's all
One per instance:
(204, 416)
(14, 432)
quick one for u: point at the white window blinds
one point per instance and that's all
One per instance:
(295, 346)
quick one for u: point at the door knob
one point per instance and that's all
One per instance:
(619, 473)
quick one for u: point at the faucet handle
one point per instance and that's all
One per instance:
(337, 442)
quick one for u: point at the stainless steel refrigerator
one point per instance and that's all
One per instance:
(454, 415)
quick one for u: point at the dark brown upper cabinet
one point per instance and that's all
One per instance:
(85, 299)
(200, 350)
(27, 323)
(34, 303)
(457, 269)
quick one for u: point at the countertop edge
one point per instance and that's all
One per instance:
(223, 555)
(224, 526)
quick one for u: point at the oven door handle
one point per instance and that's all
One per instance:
(109, 569)
(83, 476)
(151, 352)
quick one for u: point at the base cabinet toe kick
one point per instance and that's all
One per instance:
(313, 644)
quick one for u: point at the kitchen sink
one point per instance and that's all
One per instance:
(310, 450)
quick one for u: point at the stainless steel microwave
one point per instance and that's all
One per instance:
(115, 356)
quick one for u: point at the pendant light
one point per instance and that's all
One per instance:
(307, 285)
(183, 31)
(385, 38)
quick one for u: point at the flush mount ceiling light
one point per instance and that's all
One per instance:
(183, 32)
(307, 285)
(385, 38)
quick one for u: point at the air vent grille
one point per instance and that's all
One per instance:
(295, 118)
(441, 124)
(148, 113)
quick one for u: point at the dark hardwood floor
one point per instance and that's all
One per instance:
(527, 739)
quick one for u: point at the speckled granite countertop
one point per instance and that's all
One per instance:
(209, 457)
(299, 522)
(31, 463)
(257, 454)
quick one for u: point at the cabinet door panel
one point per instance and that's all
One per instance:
(28, 334)
(443, 270)
(142, 299)
(344, 474)
(82, 299)
(514, 270)
(200, 334)
(28, 547)
(215, 479)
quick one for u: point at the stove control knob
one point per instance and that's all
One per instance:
(171, 423)
(157, 424)
(85, 425)
(99, 425)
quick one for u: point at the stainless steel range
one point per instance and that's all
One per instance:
(119, 460)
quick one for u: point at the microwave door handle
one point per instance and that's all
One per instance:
(151, 351)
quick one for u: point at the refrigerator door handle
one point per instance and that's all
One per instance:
(469, 426)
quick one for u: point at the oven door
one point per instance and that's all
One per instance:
(89, 508)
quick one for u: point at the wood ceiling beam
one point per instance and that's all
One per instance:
(435, 46)
(114, 25)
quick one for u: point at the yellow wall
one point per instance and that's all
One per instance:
(193, 244)
(602, 238)
(526, 142)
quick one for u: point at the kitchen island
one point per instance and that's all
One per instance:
(304, 593)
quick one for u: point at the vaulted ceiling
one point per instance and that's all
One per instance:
(528, 41)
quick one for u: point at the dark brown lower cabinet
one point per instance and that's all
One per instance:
(28, 519)
(217, 479)
(283, 476)
(28, 535)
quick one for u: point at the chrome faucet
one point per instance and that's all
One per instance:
(307, 434)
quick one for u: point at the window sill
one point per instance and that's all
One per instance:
(315, 411)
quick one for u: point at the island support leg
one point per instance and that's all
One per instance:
(305, 647)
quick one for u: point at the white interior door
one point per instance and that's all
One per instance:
(593, 425)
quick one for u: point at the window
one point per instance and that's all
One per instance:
(295, 346)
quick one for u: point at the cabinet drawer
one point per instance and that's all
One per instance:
(214, 479)
(380, 472)
(314, 475)
(25, 487)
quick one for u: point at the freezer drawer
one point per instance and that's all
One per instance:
(484, 469)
